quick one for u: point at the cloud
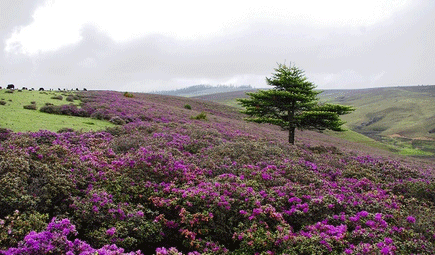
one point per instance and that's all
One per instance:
(393, 49)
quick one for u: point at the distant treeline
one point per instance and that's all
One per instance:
(196, 90)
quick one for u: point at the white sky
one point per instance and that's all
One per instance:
(154, 45)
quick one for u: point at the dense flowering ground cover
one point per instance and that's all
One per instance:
(166, 183)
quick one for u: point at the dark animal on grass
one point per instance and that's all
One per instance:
(85, 89)
(11, 86)
(41, 89)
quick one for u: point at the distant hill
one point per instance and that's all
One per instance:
(200, 90)
(399, 116)
(228, 98)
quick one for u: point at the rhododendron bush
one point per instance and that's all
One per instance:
(166, 183)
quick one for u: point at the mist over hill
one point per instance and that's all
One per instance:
(199, 90)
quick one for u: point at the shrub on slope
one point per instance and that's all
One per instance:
(206, 187)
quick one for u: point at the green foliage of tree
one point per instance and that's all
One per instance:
(292, 103)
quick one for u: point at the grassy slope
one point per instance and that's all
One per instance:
(13, 116)
(408, 112)
(400, 117)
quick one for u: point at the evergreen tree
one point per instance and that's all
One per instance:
(292, 103)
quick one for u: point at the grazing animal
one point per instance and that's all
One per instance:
(77, 89)
(41, 89)
(24, 88)
(0, 87)
(85, 89)
(11, 86)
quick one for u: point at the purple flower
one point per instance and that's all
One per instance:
(266, 176)
(348, 251)
(363, 214)
(385, 250)
(354, 218)
(410, 219)
(111, 231)
(388, 241)
(370, 223)
(161, 251)
(378, 216)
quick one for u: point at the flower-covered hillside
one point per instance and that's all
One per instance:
(169, 180)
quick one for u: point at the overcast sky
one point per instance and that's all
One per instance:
(161, 45)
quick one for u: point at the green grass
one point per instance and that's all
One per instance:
(353, 136)
(13, 116)
(393, 145)
(414, 152)
(233, 103)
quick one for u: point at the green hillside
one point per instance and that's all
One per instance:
(403, 117)
(405, 112)
(13, 115)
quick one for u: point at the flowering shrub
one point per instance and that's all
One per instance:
(201, 116)
(163, 183)
(126, 94)
(54, 240)
(30, 107)
(58, 97)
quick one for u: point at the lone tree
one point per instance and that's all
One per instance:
(292, 103)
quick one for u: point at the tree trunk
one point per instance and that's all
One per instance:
(291, 135)
(291, 129)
